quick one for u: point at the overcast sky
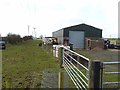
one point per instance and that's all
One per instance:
(51, 15)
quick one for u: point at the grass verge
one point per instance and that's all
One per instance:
(22, 65)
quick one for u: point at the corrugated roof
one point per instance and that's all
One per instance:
(82, 25)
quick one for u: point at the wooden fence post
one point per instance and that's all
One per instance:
(60, 56)
(90, 76)
(96, 65)
(61, 81)
(94, 75)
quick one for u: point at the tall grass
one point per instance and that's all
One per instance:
(22, 65)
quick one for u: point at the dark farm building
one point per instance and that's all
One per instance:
(81, 36)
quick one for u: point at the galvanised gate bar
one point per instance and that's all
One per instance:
(114, 73)
(78, 71)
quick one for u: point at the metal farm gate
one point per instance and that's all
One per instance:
(86, 73)
(77, 69)
(81, 70)
(110, 77)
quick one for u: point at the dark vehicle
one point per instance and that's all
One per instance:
(111, 46)
(2, 45)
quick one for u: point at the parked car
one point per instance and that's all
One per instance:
(2, 45)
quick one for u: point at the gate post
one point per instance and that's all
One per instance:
(96, 65)
(94, 75)
(61, 56)
(90, 76)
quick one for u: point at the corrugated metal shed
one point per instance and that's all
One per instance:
(59, 35)
(90, 31)
(68, 34)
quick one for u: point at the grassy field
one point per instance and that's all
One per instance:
(22, 65)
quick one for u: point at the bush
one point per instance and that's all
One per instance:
(14, 38)
(25, 38)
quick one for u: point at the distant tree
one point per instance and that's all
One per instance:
(14, 38)
(25, 38)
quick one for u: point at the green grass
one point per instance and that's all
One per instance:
(22, 65)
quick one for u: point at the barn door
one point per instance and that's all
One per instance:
(76, 38)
